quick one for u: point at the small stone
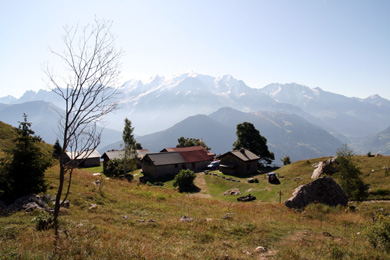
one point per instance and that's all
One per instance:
(97, 183)
(93, 207)
(260, 249)
(186, 219)
(228, 216)
(96, 174)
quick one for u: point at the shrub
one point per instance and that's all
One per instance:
(119, 167)
(184, 180)
(43, 221)
(379, 234)
(286, 160)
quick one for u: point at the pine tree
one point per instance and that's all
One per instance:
(22, 170)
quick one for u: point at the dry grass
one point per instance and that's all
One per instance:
(143, 222)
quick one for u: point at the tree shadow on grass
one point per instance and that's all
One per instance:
(191, 189)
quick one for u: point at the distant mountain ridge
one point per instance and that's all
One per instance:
(159, 103)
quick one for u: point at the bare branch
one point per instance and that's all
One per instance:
(87, 87)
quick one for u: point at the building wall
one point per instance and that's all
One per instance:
(153, 171)
(198, 166)
(91, 162)
(241, 166)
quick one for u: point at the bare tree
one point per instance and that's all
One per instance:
(87, 87)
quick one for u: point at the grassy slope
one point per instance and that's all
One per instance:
(298, 173)
(115, 230)
(8, 134)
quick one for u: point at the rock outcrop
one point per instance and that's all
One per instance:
(323, 190)
(323, 167)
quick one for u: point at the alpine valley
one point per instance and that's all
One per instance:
(298, 121)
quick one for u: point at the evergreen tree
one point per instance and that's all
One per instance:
(22, 170)
(57, 149)
(130, 159)
(249, 137)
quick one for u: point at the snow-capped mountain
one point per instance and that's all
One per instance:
(348, 116)
(159, 103)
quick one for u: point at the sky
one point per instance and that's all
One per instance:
(342, 46)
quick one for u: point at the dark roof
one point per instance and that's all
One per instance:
(191, 154)
(166, 158)
(244, 155)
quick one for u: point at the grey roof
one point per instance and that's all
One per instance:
(244, 155)
(166, 158)
(119, 154)
(83, 155)
(115, 154)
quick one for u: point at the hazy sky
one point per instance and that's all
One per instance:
(341, 46)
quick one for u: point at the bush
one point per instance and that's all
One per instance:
(43, 221)
(379, 234)
(184, 180)
(286, 160)
(119, 167)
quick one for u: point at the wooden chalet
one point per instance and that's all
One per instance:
(84, 159)
(239, 162)
(196, 157)
(156, 165)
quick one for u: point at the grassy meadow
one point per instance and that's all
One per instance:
(135, 221)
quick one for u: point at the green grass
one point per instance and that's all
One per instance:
(143, 222)
(135, 221)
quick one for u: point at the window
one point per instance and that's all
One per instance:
(175, 165)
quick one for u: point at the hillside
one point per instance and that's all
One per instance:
(143, 222)
(8, 134)
(287, 134)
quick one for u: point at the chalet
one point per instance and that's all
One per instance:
(119, 154)
(155, 165)
(238, 162)
(84, 159)
(196, 157)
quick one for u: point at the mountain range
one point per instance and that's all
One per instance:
(165, 105)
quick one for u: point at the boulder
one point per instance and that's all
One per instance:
(323, 190)
(323, 167)
(28, 203)
(232, 192)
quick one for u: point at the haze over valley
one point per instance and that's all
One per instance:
(298, 121)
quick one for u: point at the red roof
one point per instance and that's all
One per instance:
(192, 153)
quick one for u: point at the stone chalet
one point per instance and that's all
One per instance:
(196, 157)
(84, 159)
(238, 162)
(171, 160)
(156, 165)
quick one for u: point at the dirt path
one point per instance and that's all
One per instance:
(200, 182)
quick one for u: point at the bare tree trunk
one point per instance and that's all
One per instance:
(88, 93)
